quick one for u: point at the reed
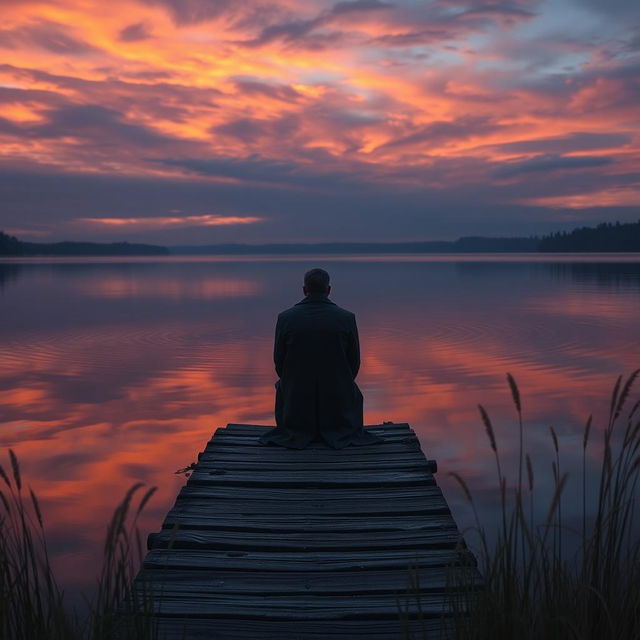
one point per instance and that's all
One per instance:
(32, 602)
(533, 586)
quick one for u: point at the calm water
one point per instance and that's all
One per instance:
(116, 371)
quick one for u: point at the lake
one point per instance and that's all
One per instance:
(114, 371)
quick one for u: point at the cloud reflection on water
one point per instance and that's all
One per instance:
(105, 384)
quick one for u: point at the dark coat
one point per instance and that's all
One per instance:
(317, 357)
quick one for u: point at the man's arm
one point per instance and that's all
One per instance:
(279, 348)
(353, 353)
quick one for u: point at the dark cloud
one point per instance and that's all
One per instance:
(51, 36)
(291, 132)
(244, 129)
(276, 91)
(93, 124)
(168, 100)
(24, 96)
(609, 8)
(583, 141)
(439, 132)
(249, 130)
(297, 205)
(444, 20)
(414, 38)
(505, 9)
(134, 33)
(341, 8)
(186, 12)
(252, 168)
(287, 31)
(551, 163)
(347, 119)
(149, 75)
(279, 174)
(300, 31)
(77, 119)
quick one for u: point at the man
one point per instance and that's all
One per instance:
(317, 358)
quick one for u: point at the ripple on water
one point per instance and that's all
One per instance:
(107, 350)
(538, 346)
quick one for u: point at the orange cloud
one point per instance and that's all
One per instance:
(615, 197)
(313, 97)
(205, 220)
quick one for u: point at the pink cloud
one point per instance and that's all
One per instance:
(205, 220)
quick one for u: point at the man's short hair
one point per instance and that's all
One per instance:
(316, 281)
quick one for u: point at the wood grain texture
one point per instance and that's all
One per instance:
(358, 497)
(208, 462)
(353, 583)
(437, 537)
(277, 561)
(175, 602)
(301, 523)
(310, 478)
(266, 542)
(243, 629)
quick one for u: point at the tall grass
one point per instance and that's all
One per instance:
(32, 602)
(534, 587)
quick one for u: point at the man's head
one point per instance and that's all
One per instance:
(316, 281)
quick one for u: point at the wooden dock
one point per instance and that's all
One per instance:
(269, 543)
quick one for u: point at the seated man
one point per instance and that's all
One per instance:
(317, 357)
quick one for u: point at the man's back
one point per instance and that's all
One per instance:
(317, 332)
(317, 357)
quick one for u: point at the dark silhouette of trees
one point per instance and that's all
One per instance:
(606, 237)
(10, 246)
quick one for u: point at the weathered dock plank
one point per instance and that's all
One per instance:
(267, 542)
(279, 561)
(310, 582)
(309, 541)
(203, 604)
(240, 463)
(310, 478)
(230, 439)
(389, 506)
(394, 443)
(296, 523)
(387, 427)
(424, 491)
(242, 628)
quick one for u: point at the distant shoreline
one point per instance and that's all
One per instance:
(605, 238)
(462, 245)
(486, 257)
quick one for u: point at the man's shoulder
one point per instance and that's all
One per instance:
(344, 312)
(328, 307)
(289, 315)
(283, 315)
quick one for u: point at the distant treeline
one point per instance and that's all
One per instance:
(462, 245)
(11, 246)
(606, 237)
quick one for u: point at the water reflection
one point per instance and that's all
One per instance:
(607, 275)
(112, 373)
(8, 273)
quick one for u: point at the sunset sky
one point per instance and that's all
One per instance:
(206, 121)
